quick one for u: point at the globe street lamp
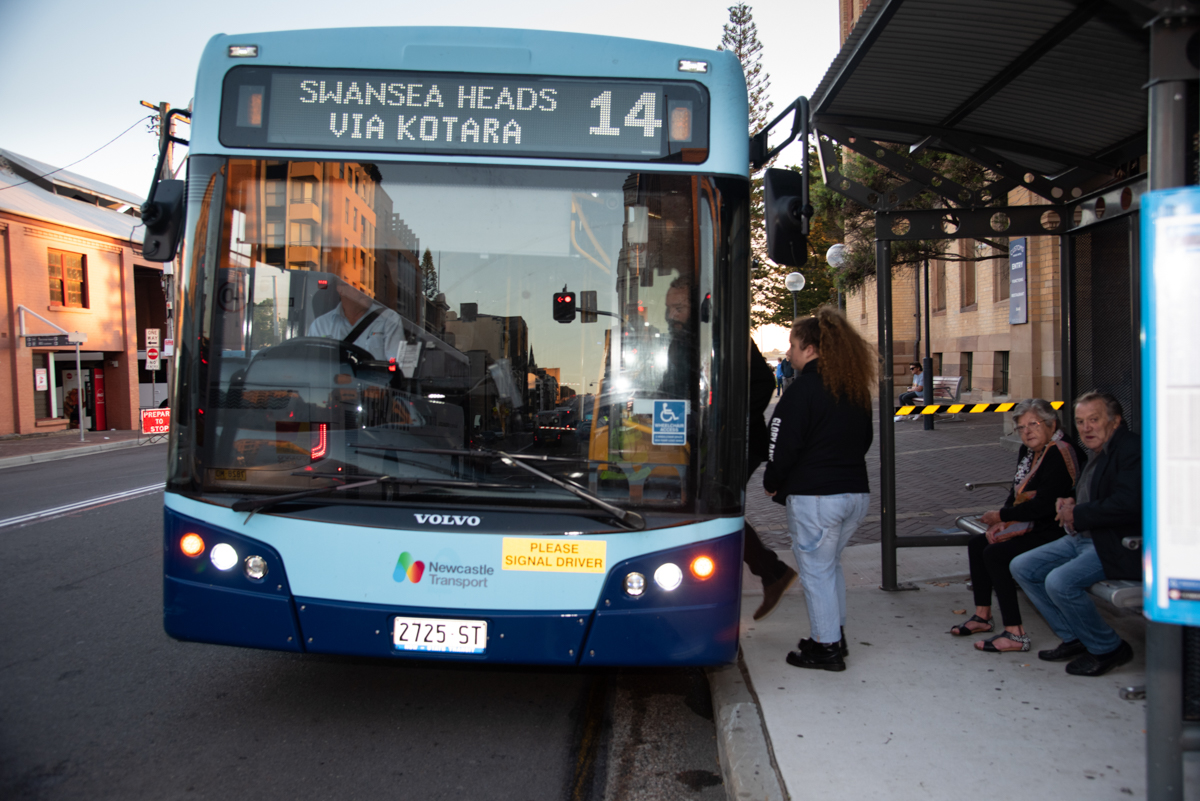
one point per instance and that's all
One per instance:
(794, 282)
(835, 257)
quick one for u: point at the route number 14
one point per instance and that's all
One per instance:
(641, 115)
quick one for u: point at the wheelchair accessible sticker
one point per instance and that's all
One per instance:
(670, 422)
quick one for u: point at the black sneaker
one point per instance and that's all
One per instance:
(1092, 665)
(817, 656)
(842, 647)
(1065, 650)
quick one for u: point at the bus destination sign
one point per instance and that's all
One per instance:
(443, 114)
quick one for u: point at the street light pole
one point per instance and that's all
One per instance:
(835, 257)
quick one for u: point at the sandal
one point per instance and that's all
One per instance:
(963, 631)
(989, 646)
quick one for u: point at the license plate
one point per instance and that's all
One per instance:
(440, 635)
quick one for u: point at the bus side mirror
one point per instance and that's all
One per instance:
(787, 218)
(163, 218)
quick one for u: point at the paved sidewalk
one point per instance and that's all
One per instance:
(16, 451)
(919, 714)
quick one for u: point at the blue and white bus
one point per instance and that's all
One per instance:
(401, 246)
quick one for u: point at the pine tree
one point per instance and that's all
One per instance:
(429, 278)
(740, 37)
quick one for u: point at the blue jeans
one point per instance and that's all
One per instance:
(1056, 578)
(820, 526)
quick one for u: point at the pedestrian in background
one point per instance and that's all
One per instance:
(778, 378)
(817, 468)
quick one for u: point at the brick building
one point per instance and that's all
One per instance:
(70, 248)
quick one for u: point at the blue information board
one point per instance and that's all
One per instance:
(1171, 402)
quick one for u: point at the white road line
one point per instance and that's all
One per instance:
(75, 507)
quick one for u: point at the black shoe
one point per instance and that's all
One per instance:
(1092, 665)
(1065, 650)
(843, 649)
(773, 593)
(817, 656)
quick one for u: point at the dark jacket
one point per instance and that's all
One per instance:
(1051, 482)
(1115, 509)
(762, 387)
(818, 442)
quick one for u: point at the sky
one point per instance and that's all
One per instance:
(75, 71)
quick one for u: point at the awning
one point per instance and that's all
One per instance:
(1049, 84)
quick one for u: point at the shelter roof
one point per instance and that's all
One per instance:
(17, 196)
(1049, 84)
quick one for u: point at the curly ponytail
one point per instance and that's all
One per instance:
(848, 362)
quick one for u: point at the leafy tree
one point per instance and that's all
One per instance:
(857, 224)
(429, 277)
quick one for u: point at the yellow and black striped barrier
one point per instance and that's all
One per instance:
(962, 408)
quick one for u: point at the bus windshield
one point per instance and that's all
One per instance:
(428, 323)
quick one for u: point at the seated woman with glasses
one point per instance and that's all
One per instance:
(1046, 470)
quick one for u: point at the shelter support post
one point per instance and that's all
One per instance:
(1170, 72)
(887, 423)
(927, 362)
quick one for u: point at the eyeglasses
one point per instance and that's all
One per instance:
(1029, 427)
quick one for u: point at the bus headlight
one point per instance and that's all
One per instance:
(192, 544)
(255, 567)
(635, 584)
(703, 567)
(668, 576)
(223, 556)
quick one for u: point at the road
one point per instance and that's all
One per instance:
(96, 702)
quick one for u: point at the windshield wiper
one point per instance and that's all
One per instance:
(258, 504)
(623, 516)
(476, 453)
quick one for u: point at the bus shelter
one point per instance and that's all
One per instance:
(1070, 99)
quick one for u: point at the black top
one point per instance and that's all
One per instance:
(1051, 482)
(1114, 508)
(819, 443)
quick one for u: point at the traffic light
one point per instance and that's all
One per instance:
(564, 306)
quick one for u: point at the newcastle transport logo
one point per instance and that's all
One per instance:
(442, 574)
(407, 568)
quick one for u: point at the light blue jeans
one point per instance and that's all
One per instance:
(1056, 577)
(820, 526)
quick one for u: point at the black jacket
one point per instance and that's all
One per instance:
(762, 387)
(1051, 482)
(818, 442)
(1115, 509)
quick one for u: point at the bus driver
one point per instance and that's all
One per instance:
(375, 328)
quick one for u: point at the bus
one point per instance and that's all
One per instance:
(403, 249)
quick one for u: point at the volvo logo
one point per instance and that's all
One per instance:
(447, 520)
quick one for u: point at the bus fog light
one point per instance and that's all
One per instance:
(256, 567)
(224, 556)
(668, 576)
(703, 567)
(635, 584)
(191, 544)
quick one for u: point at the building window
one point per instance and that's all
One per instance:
(274, 234)
(68, 279)
(939, 286)
(969, 368)
(302, 191)
(967, 282)
(1002, 279)
(274, 193)
(1002, 380)
(937, 364)
(301, 234)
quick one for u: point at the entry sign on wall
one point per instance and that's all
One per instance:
(1170, 402)
(1018, 297)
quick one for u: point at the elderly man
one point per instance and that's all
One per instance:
(1106, 509)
